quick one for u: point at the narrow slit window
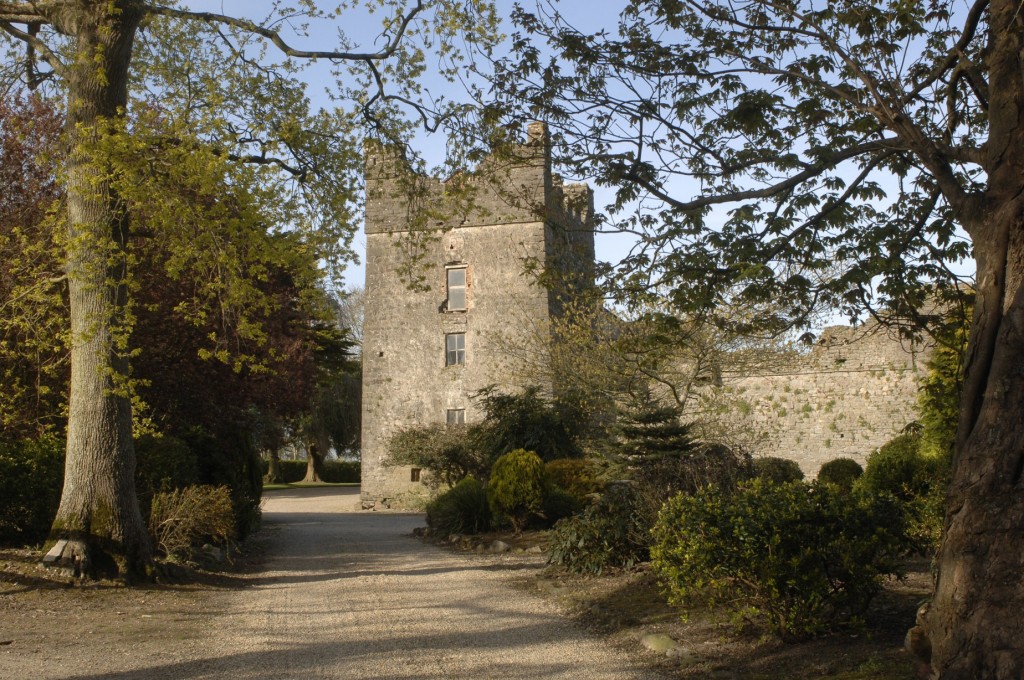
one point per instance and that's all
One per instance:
(414, 475)
(455, 346)
(457, 289)
(456, 416)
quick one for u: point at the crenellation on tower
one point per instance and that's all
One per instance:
(475, 244)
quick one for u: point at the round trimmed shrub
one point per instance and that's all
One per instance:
(842, 472)
(898, 467)
(804, 558)
(461, 509)
(777, 470)
(576, 476)
(515, 490)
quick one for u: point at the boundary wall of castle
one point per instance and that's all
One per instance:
(856, 389)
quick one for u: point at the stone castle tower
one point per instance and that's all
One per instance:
(451, 283)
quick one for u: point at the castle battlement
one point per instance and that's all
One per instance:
(512, 186)
(451, 282)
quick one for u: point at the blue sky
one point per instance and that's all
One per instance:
(361, 26)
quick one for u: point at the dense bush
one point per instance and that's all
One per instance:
(557, 504)
(777, 470)
(515, 490)
(804, 558)
(31, 476)
(843, 472)
(609, 533)
(576, 476)
(898, 467)
(230, 459)
(462, 509)
(183, 519)
(163, 463)
(701, 466)
(448, 452)
(551, 429)
(341, 472)
(939, 396)
(901, 469)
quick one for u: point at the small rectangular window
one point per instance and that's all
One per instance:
(456, 416)
(414, 475)
(455, 349)
(457, 289)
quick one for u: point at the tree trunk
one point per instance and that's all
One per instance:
(274, 474)
(314, 464)
(973, 628)
(98, 530)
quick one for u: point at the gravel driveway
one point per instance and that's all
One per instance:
(345, 594)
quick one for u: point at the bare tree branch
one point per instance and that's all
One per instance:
(34, 43)
(275, 37)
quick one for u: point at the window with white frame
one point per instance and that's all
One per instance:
(456, 416)
(456, 289)
(455, 349)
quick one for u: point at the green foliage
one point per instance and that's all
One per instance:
(804, 558)
(777, 470)
(765, 107)
(163, 463)
(898, 468)
(515, 490)
(557, 504)
(463, 509)
(650, 430)
(609, 533)
(665, 459)
(576, 476)
(33, 288)
(230, 459)
(448, 452)
(939, 397)
(704, 465)
(183, 519)
(901, 469)
(341, 472)
(31, 476)
(842, 472)
(527, 421)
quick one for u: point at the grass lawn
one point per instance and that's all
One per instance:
(304, 485)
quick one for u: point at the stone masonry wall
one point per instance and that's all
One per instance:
(855, 390)
(514, 217)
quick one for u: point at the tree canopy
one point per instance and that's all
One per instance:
(189, 134)
(792, 153)
(784, 154)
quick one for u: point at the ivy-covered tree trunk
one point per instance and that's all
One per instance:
(973, 627)
(98, 530)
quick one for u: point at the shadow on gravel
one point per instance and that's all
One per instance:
(425, 656)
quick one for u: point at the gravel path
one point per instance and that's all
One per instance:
(348, 594)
